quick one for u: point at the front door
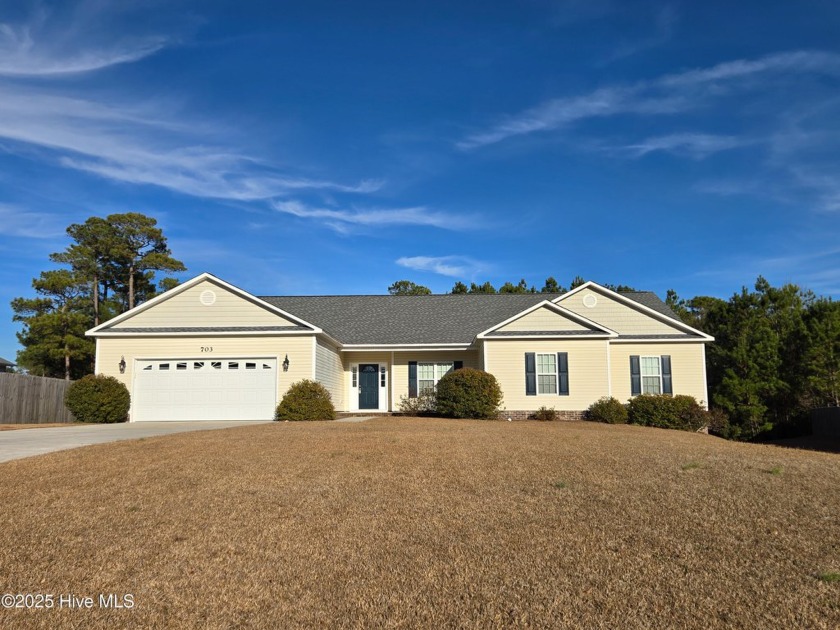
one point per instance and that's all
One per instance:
(369, 386)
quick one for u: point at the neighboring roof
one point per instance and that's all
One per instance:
(420, 319)
(5, 362)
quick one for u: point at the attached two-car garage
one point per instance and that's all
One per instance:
(185, 389)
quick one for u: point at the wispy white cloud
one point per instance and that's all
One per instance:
(694, 145)
(668, 94)
(452, 266)
(19, 222)
(345, 220)
(47, 45)
(560, 112)
(143, 144)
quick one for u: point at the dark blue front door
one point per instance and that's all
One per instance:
(368, 386)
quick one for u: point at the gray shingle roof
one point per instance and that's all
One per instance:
(208, 329)
(419, 319)
(5, 362)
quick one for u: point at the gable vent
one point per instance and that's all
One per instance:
(208, 298)
(589, 300)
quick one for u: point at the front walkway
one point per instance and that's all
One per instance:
(28, 442)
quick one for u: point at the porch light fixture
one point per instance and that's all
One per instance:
(122, 365)
(286, 364)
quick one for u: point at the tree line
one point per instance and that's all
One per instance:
(108, 268)
(776, 353)
(407, 287)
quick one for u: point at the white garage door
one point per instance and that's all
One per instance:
(205, 389)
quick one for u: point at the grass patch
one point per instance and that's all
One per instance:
(776, 470)
(829, 576)
(691, 466)
(423, 523)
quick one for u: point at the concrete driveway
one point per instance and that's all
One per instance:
(28, 442)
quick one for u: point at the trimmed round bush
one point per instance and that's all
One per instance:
(100, 399)
(667, 412)
(468, 393)
(607, 409)
(306, 400)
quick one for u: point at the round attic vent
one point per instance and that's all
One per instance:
(589, 300)
(208, 298)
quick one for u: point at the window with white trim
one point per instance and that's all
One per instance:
(651, 372)
(428, 375)
(547, 373)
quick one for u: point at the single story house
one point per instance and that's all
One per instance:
(5, 366)
(207, 350)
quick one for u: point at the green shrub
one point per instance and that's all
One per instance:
(424, 404)
(607, 409)
(545, 414)
(718, 423)
(667, 412)
(469, 393)
(306, 400)
(98, 398)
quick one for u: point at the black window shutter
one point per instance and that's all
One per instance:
(667, 387)
(412, 379)
(635, 376)
(563, 373)
(530, 374)
(458, 365)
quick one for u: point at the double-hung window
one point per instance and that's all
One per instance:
(424, 376)
(428, 374)
(650, 375)
(547, 373)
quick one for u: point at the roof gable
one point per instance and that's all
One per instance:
(547, 319)
(204, 303)
(637, 314)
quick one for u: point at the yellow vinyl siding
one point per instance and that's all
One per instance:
(616, 316)
(687, 369)
(185, 309)
(587, 372)
(298, 348)
(401, 360)
(542, 319)
(329, 371)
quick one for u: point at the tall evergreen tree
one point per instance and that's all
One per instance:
(54, 324)
(483, 288)
(139, 248)
(822, 357)
(407, 287)
(551, 286)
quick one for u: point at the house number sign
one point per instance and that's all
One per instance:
(207, 348)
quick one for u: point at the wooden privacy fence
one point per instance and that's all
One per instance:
(32, 400)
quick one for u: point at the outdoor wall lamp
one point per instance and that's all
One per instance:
(286, 364)
(122, 365)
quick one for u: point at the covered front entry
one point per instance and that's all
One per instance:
(204, 389)
(369, 386)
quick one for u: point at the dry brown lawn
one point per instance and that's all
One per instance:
(419, 523)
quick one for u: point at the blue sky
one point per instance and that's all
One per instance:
(326, 147)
